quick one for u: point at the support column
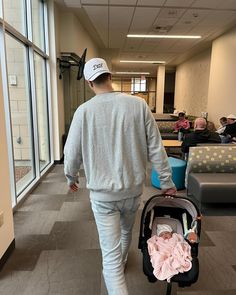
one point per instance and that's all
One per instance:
(160, 89)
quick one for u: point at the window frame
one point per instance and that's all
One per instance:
(6, 28)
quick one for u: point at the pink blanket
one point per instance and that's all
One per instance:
(169, 257)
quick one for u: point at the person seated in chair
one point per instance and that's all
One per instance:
(200, 135)
(182, 124)
(230, 129)
(223, 123)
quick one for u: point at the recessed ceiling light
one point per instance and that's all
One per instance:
(165, 36)
(145, 61)
(133, 73)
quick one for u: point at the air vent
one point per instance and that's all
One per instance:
(162, 29)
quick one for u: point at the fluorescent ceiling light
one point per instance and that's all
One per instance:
(133, 73)
(164, 36)
(145, 61)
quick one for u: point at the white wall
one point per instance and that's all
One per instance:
(222, 83)
(191, 84)
(6, 230)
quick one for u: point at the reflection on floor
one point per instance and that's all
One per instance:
(57, 250)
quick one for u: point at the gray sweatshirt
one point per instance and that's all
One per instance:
(114, 135)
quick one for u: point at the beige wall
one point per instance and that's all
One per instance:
(57, 99)
(222, 84)
(191, 84)
(6, 230)
(66, 35)
(74, 38)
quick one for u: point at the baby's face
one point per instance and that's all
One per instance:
(166, 235)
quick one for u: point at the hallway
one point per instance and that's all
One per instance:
(57, 250)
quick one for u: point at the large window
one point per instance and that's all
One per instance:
(138, 85)
(144, 87)
(42, 110)
(15, 14)
(20, 108)
(38, 23)
(25, 67)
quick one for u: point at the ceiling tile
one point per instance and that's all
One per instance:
(171, 13)
(73, 3)
(99, 17)
(194, 16)
(147, 46)
(143, 20)
(118, 29)
(229, 4)
(183, 46)
(150, 2)
(219, 17)
(132, 44)
(181, 29)
(179, 3)
(94, 2)
(122, 2)
(163, 45)
(117, 39)
(164, 22)
(120, 18)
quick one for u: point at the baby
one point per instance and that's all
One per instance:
(164, 231)
(169, 253)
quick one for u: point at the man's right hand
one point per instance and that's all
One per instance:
(170, 191)
(73, 187)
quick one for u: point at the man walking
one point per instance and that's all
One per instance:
(114, 135)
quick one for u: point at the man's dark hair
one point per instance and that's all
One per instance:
(102, 78)
(223, 119)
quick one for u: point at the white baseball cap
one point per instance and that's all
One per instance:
(231, 116)
(94, 68)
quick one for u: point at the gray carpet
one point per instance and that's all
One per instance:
(57, 249)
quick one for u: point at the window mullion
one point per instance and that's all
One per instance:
(46, 26)
(49, 101)
(29, 20)
(34, 111)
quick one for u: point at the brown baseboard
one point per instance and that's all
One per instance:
(7, 254)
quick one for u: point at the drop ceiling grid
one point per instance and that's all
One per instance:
(141, 17)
